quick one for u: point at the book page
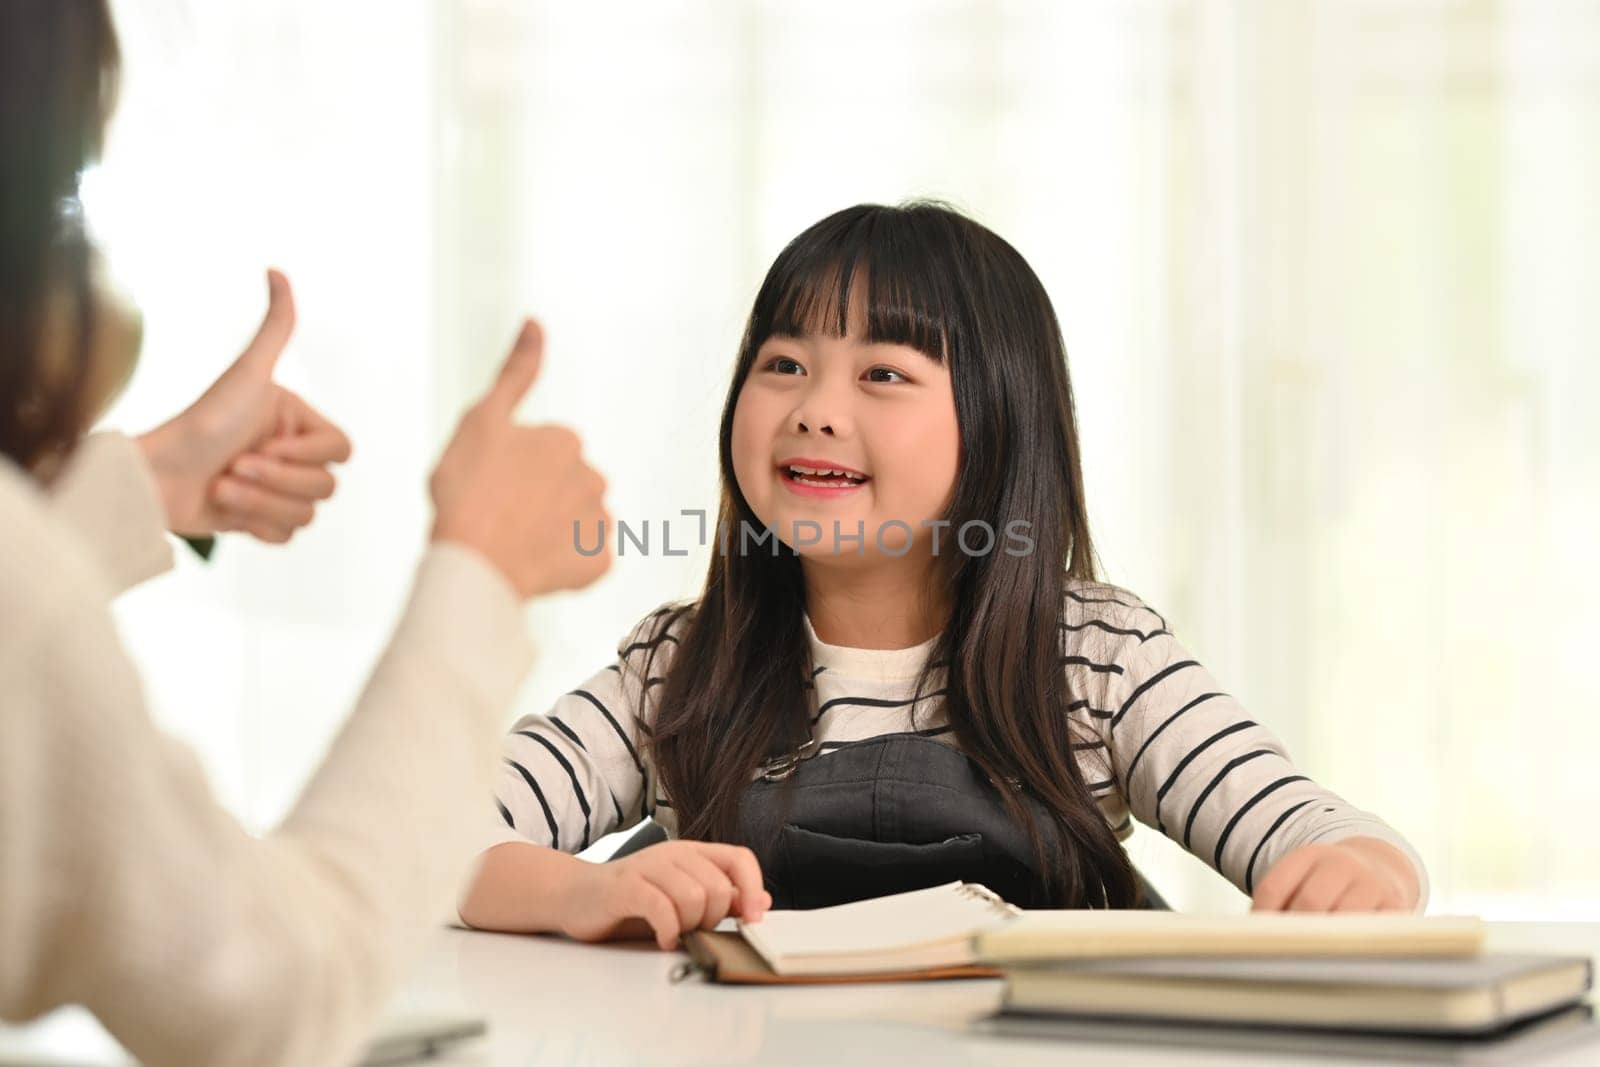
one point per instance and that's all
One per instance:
(881, 925)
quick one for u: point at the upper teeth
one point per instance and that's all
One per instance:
(824, 471)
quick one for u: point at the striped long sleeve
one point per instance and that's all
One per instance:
(578, 771)
(1188, 760)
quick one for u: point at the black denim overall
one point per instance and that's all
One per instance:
(887, 815)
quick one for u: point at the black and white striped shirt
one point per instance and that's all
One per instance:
(1159, 742)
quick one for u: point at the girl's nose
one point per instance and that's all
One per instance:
(822, 414)
(836, 425)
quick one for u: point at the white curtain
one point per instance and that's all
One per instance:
(1323, 269)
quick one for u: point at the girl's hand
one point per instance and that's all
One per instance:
(249, 454)
(1356, 874)
(665, 890)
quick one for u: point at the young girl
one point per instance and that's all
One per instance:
(902, 670)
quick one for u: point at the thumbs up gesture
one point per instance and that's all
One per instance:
(514, 492)
(249, 454)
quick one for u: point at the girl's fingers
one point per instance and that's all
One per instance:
(718, 886)
(1323, 885)
(652, 905)
(688, 896)
(1364, 894)
(744, 870)
(1280, 883)
(250, 502)
(306, 481)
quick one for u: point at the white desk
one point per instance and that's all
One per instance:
(552, 1002)
(549, 1001)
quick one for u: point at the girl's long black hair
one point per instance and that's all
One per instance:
(734, 695)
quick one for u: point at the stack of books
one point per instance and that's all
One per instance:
(1419, 987)
(1389, 985)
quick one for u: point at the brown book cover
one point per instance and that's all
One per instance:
(723, 956)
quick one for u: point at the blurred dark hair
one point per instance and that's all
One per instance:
(735, 693)
(59, 65)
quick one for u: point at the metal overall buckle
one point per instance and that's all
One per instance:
(776, 770)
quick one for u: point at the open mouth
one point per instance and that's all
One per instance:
(822, 477)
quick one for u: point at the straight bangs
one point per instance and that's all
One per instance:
(884, 275)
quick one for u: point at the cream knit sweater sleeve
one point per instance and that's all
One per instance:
(124, 887)
(107, 496)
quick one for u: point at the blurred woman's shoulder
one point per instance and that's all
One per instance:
(44, 567)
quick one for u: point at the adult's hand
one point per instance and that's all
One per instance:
(516, 493)
(249, 454)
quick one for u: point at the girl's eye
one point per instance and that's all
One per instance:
(784, 365)
(875, 375)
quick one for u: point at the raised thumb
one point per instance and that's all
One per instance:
(519, 371)
(261, 355)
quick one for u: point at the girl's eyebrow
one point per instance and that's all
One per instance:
(810, 340)
(901, 346)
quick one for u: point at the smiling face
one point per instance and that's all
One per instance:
(880, 417)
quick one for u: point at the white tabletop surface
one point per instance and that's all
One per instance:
(549, 1001)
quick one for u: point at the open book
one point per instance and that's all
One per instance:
(954, 929)
(926, 928)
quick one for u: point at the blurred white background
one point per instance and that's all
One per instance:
(1326, 270)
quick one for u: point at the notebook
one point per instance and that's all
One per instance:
(1445, 996)
(962, 925)
(925, 929)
